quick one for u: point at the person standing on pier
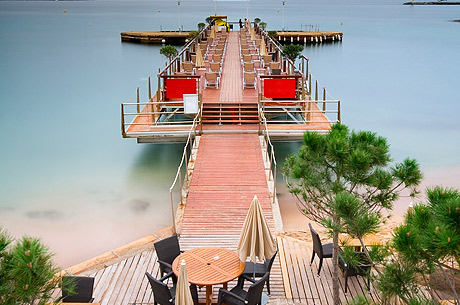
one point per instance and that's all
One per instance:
(241, 24)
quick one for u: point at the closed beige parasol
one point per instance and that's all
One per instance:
(199, 57)
(263, 48)
(256, 240)
(183, 294)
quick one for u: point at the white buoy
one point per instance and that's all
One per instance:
(320, 39)
(311, 38)
(298, 38)
(333, 38)
(316, 38)
(163, 40)
(305, 40)
(292, 39)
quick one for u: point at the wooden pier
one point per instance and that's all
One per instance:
(308, 36)
(229, 164)
(282, 36)
(155, 37)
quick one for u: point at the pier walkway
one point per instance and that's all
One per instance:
(228, 170)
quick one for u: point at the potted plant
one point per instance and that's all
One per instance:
(169, 52)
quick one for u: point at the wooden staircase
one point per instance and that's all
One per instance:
(230, 113)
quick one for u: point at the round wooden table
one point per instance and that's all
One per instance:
(210, 266)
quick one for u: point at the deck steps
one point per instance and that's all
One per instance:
(230, 113)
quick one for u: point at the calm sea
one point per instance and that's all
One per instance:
(68, 177)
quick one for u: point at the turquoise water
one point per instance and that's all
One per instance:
(68, 176)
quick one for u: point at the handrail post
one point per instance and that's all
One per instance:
(316, 91)
(338, 113)
(307, 67)
(150, 90)
(324, 99)
(123, 132)
(138, 105)
(172, 211)
(309, 85)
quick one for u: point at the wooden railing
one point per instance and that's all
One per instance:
(183, 168)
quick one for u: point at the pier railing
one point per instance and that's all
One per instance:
(270, 153)
(138, 117)
(182, 179)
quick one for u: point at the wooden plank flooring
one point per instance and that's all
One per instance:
(228, 172)
(309, 288)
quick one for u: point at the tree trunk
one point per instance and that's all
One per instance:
(335, 269)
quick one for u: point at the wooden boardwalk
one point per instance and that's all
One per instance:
(229, 170)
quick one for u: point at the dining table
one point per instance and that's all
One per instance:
(210, 266)
(368, 240)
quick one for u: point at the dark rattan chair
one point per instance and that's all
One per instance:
(82, 287)
(238, 296)
(252, 270)
(362, 269)
(167, 250)
(323, 251)
(166, 296)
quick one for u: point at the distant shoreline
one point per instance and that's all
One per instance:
(432, 3)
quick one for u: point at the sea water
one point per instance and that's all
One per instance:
(69, 178)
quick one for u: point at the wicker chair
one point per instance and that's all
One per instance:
(323, 251)
(211, 79)
(362, 269)
(252, 270)
(249, 80)
(82, 287)
(166, 296)
(238, 296)
(167, 250)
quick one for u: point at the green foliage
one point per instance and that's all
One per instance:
(263, 25)
(328, 166)
(169, 52)
(292, 51)
(344, 180)
(359, 300)
(256, 20)
(398, 279)
(201, 26)
(193, 34)
(209, 20)
(27, 271)
(272, 34)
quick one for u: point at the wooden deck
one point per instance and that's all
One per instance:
(124, 282)
(230, 91)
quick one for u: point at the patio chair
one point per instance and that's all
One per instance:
(274, 65)
(266, 60)
(211, 80)
(248, 67)
(164, 295)
(216, 58)
(193, 59)
(188, 67)
(215, 67)
(238, 296)
(219, 51)
(362, 269)
(252, 270)
(247, 58)
(249, 80)
(323, 251)
(244, 52)
(167, 250)
(83, 289)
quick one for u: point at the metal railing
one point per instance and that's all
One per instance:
(183, 166)
(270, 152)
(301, 111)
